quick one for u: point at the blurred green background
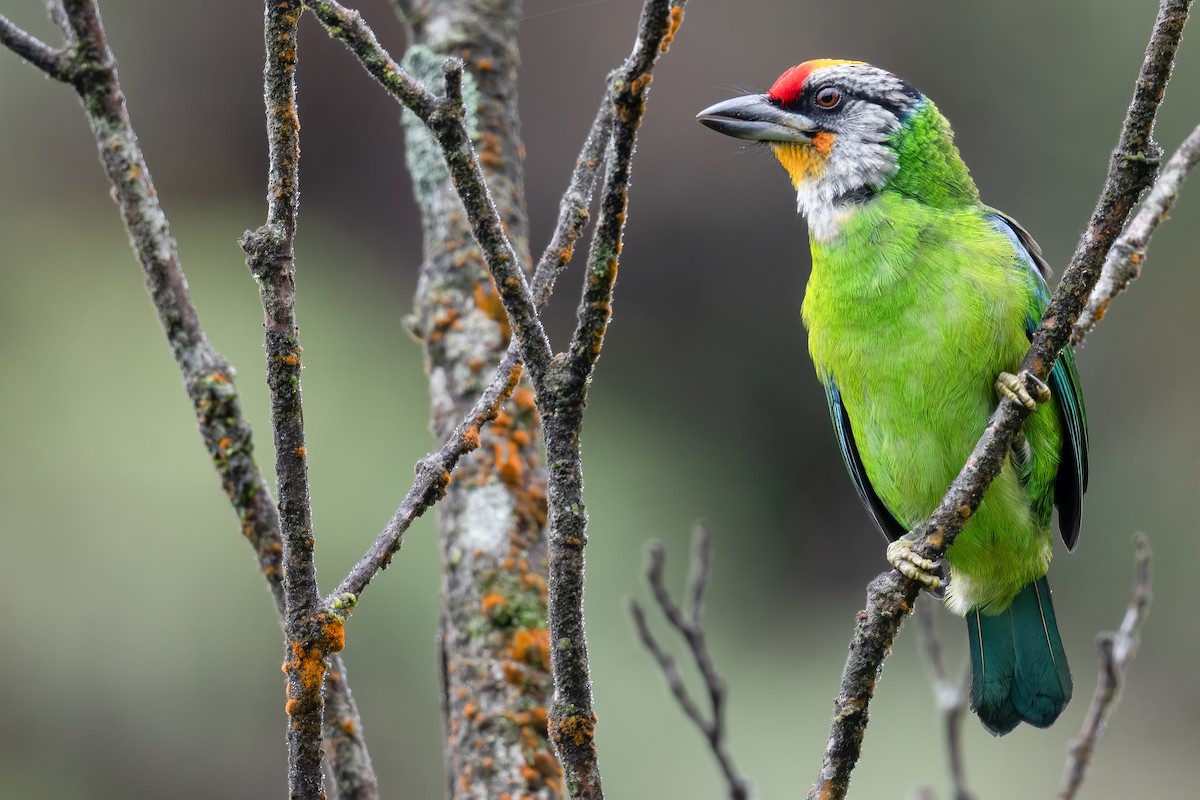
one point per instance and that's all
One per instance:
(141, 650)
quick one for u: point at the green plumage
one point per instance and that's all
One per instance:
(913, 308)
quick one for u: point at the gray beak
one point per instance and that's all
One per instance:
(753, 117)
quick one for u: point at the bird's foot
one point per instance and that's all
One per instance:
(929, 574)
(1013, 387)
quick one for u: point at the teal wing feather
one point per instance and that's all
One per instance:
(1072, 478)
(889, 526)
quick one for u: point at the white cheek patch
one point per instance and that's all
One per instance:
(860, 158)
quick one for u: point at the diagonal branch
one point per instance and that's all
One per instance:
(87, 64)
(446, 120)
(689, 627)
(55, 63)
(1117, 649)
(890, 596)
(434, 470)
(1124, 262)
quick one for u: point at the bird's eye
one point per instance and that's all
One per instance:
(828, 97)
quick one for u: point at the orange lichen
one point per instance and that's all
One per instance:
(308, 663)
(538, 715)
(301, 451)
(531, 580)
(523, 398)
(485, 65)
(348, 727)
(217, 377)
(531, 647)
(471, 437)
(513, 673)
(334, 632)
(640, 83)
(224, 442)
(491, 602)
(488, 301)
(529, 774)
(470, 710)
(508, 466)
(546, 765)
(521, 438)
(291, 706)
(291, 359)
(578, 729)
(672, 28)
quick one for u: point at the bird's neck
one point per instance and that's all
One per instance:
(928, 166)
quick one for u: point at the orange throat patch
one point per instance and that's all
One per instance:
(805, 161)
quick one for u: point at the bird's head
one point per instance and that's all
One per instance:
(842, 129)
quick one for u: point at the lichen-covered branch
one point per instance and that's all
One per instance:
(446, 119)
(951, 700)
(433, 471)
(1117, 649)
(1124, 262)
(890, 596)
(87, 64)
(271, 257)
(689, 627)
(561, 403)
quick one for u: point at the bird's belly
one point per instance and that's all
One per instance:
(917, 405)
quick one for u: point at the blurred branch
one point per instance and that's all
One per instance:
(1117, 649)
(1124, 262)
(690, 628)
(951, 698)
(88, 65)
(54, 63)
(890, 596)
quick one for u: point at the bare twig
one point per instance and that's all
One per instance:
(890, 596)
(690, 628)
(1124, 262)
(1117, 649)
(53, 62)
(951, 699)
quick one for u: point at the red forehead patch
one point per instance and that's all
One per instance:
(789, 85)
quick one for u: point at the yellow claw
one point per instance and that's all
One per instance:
(1013, 387)
(912, 566)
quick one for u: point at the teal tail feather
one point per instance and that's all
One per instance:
(1019, 670)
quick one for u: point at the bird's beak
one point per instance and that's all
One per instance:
(754, 117)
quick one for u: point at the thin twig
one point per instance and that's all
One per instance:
(692, 631)
(572, 720)
(1124, 262)
(270, 254)
(1117, 649)
(890, 596)
(951, 699)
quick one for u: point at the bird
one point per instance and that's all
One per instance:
(919, 309)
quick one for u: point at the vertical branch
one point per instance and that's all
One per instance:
(1117, 649)
(572, 719)
(311, 633)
